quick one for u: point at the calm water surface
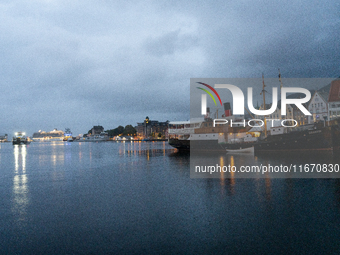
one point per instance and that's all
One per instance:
(138, 198)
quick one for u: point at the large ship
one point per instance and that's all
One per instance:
(20, 138)
(54, 135)
(201, 135)
(314, 137)
(182, 133)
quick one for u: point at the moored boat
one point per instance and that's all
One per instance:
(246, 149)
(68, 135)
(20, 138)
(312, 139)
(102, 137)
(196, 135)
(242, 139)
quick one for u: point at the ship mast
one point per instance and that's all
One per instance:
(280, 87)
(264, 104)
(280, 79)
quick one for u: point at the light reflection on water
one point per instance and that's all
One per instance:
(20, 184)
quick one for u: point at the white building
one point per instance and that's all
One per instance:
(277, 114)
(318, 107)
(334, 100)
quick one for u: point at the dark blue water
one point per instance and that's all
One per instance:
(138, 198)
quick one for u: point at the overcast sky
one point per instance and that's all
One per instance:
(77, 64)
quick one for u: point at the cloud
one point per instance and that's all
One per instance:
(78, 64)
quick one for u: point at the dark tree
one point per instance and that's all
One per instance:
(129, 130)
(119, 130)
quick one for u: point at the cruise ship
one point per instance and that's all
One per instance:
(54, 135)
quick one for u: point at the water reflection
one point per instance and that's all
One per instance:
(20, 183)
(147, 192)
(147, 149)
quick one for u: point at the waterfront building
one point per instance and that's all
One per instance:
(318, 107)
(152, 128)
(299, 116)
(334, 100)
(97, 134)
(292, 112)
(123, 138)
(97, 130)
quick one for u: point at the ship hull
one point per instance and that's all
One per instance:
(19, 141)
(244, 150)
(96, 140)
(324, 139)
(196, 145)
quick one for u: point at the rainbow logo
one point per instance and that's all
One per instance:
(209, 93)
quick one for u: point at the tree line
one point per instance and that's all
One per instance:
(120, 130)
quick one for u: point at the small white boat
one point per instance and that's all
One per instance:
(248, 150)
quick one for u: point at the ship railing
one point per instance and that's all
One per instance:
(181, 131)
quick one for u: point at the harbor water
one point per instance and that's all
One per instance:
(138, 198)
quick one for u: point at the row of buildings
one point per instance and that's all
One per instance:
(146, 129)
(324, 106)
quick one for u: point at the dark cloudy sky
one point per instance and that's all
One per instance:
(81, 63)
